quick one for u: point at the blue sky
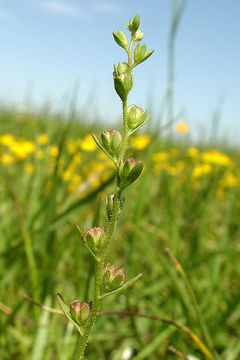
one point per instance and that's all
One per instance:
(50, 47)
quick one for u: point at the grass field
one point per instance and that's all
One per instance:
(53, 177)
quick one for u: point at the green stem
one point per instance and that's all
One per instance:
(125, 134)
(130, 55)
(95, 309)
(98, 278)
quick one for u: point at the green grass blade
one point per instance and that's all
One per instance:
(42, 333)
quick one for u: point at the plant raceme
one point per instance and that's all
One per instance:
(110, 279)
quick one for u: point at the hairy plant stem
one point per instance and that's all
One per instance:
(125, 135)
(130, 54)
(98, 278)
(101, 260)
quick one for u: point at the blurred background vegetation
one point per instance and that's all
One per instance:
(52, 177)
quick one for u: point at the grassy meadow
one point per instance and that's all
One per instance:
(188, 200)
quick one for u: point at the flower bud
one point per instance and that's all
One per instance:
(138, 35)
(80, 311)
(123, 81)
(112, 141)
(136, 117)
(130, 172)
(141, 53)
(128, 166)
(112, 278)
(133, 23)
(120, 39)
(136, 22)
(94, 238)
(123, 84)
(120, 69)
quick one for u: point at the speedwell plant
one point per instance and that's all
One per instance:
(109, 279)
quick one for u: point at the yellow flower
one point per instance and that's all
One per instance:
(140, 141)
(7, 139)
(160, 156)
(22, 148)
(6, 159)
(42, 139)
(88, 144)
(229, 180)
(216, 157)
(201, 169)
(181, 127)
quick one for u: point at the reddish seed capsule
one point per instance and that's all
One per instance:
(80, 311)
(131, 171)
(113, 277)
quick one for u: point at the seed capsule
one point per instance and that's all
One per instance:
(80, 311)
(141, 53)
(113, 277)
(130, 172)
(94, 238)
(136, 117)
(112, 141)
(134, 23)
